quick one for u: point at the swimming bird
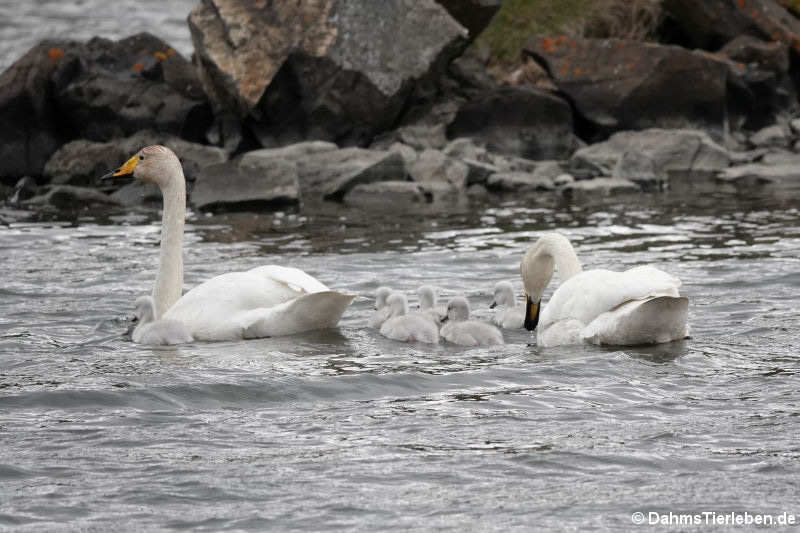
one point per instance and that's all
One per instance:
(639, 306)
(459, 329)
(510, 315)
(382, 311)
(402, 326)
(148, 330)
(261, 302)
(428, 305)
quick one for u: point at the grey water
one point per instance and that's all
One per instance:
(343, 429)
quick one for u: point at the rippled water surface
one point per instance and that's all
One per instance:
(344, 429)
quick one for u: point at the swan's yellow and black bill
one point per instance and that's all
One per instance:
(125, 170)
(531, 313)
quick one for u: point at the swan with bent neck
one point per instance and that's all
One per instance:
(262, 302)
(638, 306)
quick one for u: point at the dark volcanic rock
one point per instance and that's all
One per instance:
(618, 84)
(474, 15)
(256, 184)
(71, 197)
(710, 25)
(81, 162)
(327, 70)
(98, 90)
(525, 122)
(400, 193)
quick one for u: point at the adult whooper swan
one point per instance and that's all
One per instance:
(148, 330)
(459, 329)
(509, 315)
(639, 306)
(266, 301)
(405, 326)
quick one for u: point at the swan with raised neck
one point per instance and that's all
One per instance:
(552, 251)
(159, 165)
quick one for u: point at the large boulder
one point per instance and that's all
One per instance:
(98, 90)
(660, 151)
(709, 25)
(519, 121)
(621, 84)
(327, 70)
(256, 184)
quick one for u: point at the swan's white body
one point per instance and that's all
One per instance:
(382, 311)
(262, 302)
(158, 332)
(509, 315)
(405, 326)
(460, 330)
(639, 306)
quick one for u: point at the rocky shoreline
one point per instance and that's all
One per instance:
(284, 104)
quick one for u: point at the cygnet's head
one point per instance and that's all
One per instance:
(457, 309)
(427, 296)
(152, 164)
(503, 294)
(398, 303)
(380, 297)
(144, 309)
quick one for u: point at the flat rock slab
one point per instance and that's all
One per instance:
(600, 187)
(519, 182)
(387, 194)
(237, 186)
(760, 174)
(331, 174)
(669, 150)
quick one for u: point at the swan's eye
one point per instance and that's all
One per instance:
(141, 158)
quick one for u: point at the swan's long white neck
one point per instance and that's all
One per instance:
(169, 283)
(551, 251)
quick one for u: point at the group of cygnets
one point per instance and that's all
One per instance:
(431, 321)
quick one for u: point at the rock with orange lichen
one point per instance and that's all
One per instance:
(97, 90)
(620, 84)
(710, 24)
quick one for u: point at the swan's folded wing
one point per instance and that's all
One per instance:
(593, 292)
(314, 311)
(293, 278)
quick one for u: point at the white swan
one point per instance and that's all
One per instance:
(639, 306)
(428, 305)
(458, 329)
(406, 327)
(509, 315)
(148, 330)
(382, 311)
(262, 302)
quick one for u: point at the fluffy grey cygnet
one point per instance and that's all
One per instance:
(382, 311)
(509, 315)
(428, 306)
(459, 329)
(402, 326)
(159, 332)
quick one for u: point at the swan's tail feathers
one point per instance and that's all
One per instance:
(651, 321)
(319, 310)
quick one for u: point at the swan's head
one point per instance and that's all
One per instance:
(153, 164)
(398, 304)
(503, 294)
(380, 297)
(537, 268)
(144, 309)
(457, 309)
(427, 297)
